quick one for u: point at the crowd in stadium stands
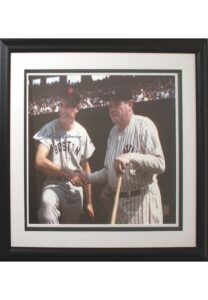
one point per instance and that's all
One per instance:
(50, 105)
(43, 106)
(95, 95)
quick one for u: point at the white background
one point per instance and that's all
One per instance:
(147, 19)
(138, 61)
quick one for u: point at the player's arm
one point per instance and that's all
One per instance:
(152, 159)
(47, 167)
(88, 190)
(147, 162)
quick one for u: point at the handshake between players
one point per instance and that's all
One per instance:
(80, 178)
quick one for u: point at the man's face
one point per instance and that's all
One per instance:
(67, 112)
(120, 111)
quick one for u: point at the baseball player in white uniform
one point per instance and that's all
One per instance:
(134, 150)
(64, 147)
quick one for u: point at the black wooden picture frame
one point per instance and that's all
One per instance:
(193, 46)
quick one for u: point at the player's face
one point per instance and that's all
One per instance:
(67, 113)
(120, 112)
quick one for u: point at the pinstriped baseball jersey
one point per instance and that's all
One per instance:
(140, 139)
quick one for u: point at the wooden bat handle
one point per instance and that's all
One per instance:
(116, 199)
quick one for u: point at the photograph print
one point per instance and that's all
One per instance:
(103, 150)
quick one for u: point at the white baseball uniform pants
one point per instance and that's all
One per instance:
(60, 204)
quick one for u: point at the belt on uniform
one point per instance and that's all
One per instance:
(129, 194)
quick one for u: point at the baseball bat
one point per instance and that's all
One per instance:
(116, 199)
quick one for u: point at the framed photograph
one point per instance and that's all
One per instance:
(103, 149)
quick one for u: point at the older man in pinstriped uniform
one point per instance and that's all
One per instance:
(133, 149)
